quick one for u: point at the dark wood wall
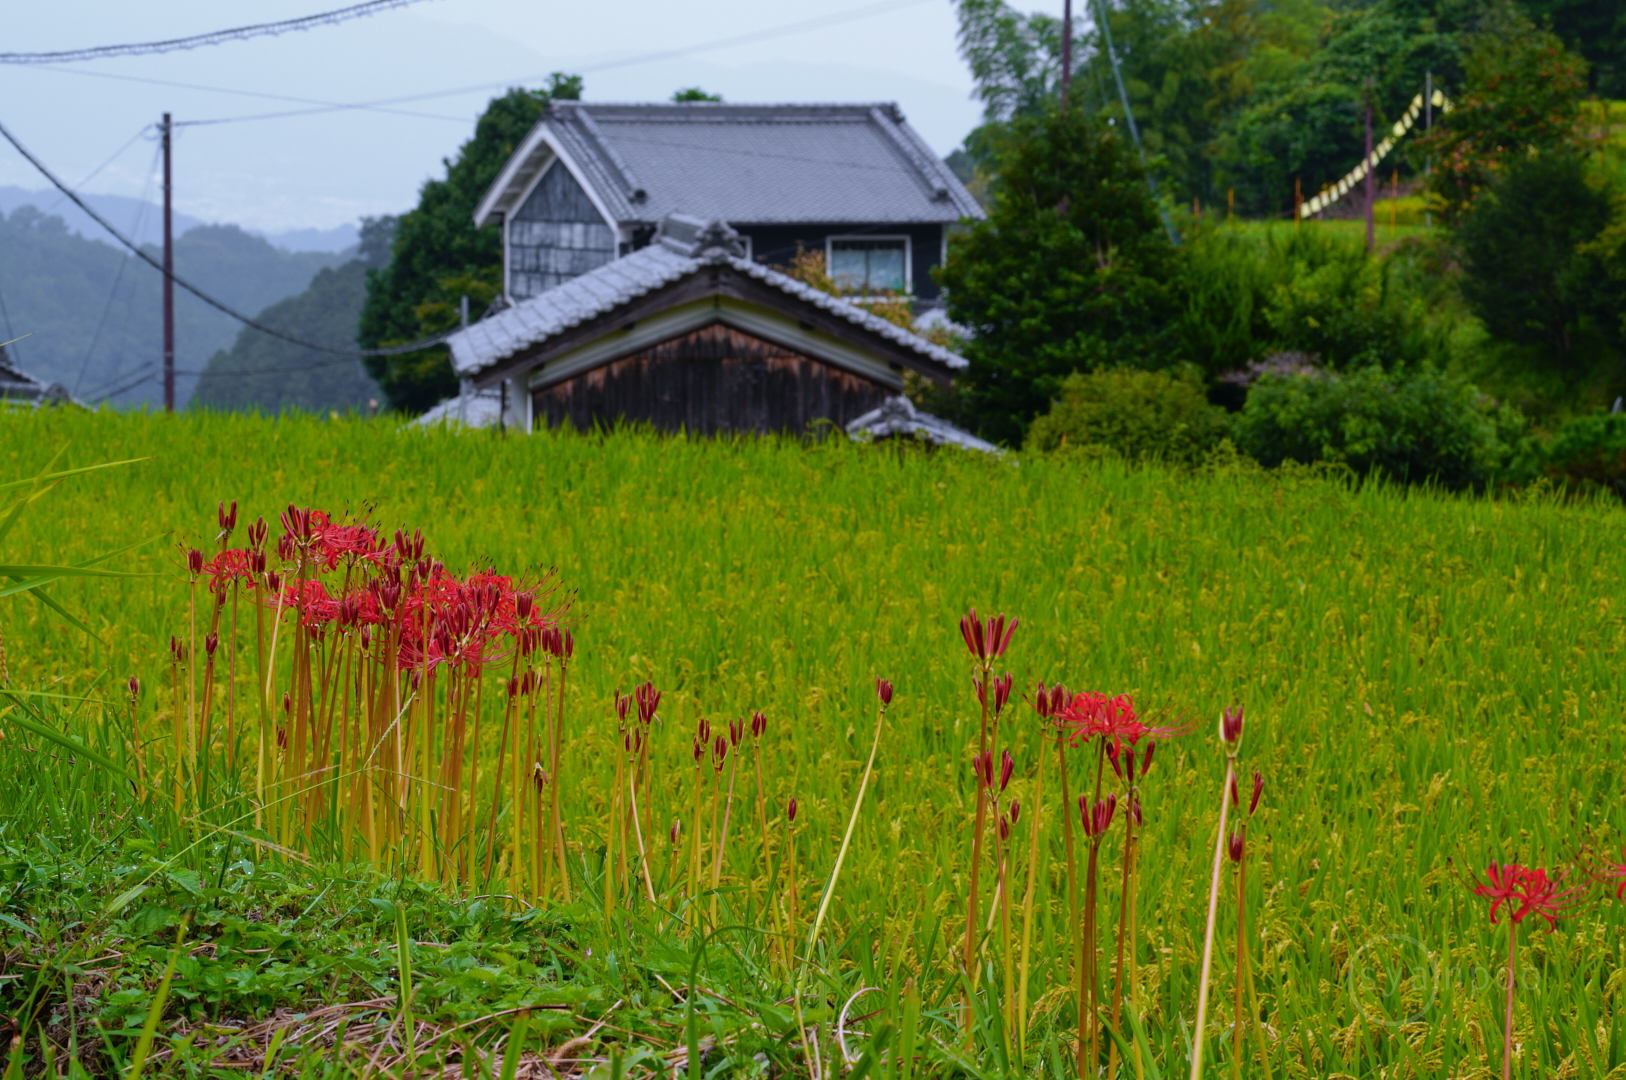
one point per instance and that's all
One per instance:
(710, 380)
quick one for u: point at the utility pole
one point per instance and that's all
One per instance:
(1371, 189)
(169, 281)
(1428, 125)
(1066, 47)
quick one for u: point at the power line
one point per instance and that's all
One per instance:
(393, 350)
(820, 22)
(217, 37)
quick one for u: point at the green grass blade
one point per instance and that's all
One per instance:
(67, 742)
(156, 1009)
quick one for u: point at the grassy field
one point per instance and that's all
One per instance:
(1430, 684)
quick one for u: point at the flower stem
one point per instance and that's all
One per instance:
(1507, 1019)
(1213, 906)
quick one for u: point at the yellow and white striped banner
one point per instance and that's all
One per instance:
(1337, 191)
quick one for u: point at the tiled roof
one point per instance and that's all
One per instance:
(756, 164)
(685, 246)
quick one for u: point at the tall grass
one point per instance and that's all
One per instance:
(1430, 683)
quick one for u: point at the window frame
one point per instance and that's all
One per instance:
(908, 254)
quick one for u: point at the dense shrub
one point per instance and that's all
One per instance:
(1134, 413)
(1584, 452)
(1416, 426)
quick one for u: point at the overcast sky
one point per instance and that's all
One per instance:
(323, 169)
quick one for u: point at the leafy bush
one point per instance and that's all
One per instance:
(1585, 452)
(1134, 413)
(1416, 426)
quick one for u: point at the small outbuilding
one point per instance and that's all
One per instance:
(689, 334)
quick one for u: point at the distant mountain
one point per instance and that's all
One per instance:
(94, 314)
(264, 372)
(143, 221)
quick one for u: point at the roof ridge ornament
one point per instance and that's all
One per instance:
(699, 238)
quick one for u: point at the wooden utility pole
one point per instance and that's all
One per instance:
(1298, 202)
(1371, 188)
(1428, 125)
(1066, 46)
(169, 281)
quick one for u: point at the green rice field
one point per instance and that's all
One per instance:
(1430, 683)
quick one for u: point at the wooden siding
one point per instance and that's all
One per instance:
(555, 235)
(710, 380)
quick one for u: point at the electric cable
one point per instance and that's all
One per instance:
(118, 278)
(393, 350)
(215, 37)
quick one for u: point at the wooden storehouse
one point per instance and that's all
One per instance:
(688, 333)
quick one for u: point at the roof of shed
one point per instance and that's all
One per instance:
(685, 246)
(756, 164)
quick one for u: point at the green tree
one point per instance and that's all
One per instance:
(1068, 273)
(1521, 95)
(438, 255)
(1532, 271)
(694, 93)
(1138, 414)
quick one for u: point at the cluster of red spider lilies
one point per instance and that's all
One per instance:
(364, 659)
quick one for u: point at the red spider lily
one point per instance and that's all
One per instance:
(759, 724)
(987, 641)
(699, 752)
(227, 519)
(702, 730)
(1007, 765)
(719, 753)
(1258, 790)
(1091, 714)
(1525, 890)
(790, 809)
(194, 562)
(135, 688)
(1049, 703)
(1004, 828)
(1231, 726)
(622, 703)
(229, 566)
(983, 766)
(211, 642)
(1016, 811)
(674, 833)
(1098, 818)
(883, 690)
(736, 731)
(256, 534)
(1613, 871)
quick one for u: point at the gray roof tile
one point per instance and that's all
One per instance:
(531, 322)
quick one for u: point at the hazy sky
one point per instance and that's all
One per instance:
(325, 168)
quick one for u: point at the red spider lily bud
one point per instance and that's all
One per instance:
(194, 562)
(1134, 809)
(176, 649)
(1016, 811)
(135, 688)
(273, 581)
(287, 703)
(286, 547)
(622, 703)
(790, 809)
(626, 740)
(227, 518)
(702, 730)
(649, 699)
(1258, 790)
(971, 630)
(539, 777)
(981, 686)
(513, 686)
(1004, 828)
(1236, 845)
(211, 642)
(1231, 726)
(1002, 693)
(567, 647)
(1129, 764)
(999, 635)
(1236, 800)
(366, 636)
(1007, 765)
(1059, 697)
(1115, 757)
(983, 765)
(736, 731)
(883, 690)
(699, 752)
(522, 606)
(1041, 700)
(282, 739)
(674, 833)
(256, 534)
(719, 753)
(1096, 819)
(529, 683)
(759, 725)
(1146, 758)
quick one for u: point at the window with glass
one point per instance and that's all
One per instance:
(871, 264)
